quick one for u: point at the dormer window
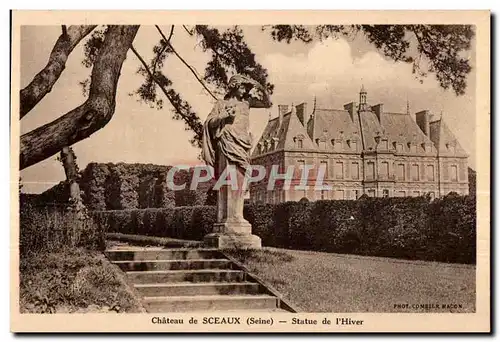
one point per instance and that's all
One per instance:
(384, 144)
(259, 148)
(274, 143)
(321, 143)
(298, 141)
(265, 146)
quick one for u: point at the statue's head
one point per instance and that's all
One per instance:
(240, 86)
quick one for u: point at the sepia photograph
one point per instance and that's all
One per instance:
(227, 174)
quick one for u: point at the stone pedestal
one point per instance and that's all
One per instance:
(232, 241)
(231, 229)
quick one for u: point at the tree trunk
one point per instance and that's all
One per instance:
(68, 160)
(94, 113)
(42, 83)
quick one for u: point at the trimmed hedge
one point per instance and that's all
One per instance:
(136, 186)
(410, 228)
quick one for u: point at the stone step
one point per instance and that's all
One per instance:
(197, 289)
(195, 276)
(162, 254)
(209, 303)
(186, 264)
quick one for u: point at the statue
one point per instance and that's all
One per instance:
(226, 146)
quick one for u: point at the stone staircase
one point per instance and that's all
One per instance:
(190, 280)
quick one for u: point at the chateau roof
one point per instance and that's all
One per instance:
(365, 126)
(333, 122)
(441, 136)
(401, 128)
(285, 133)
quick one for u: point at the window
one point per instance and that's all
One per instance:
(322, 144)
(324, 165)
(384, 145)
(385, 193)
(384, 172)
(450, 147)
(371, 193)
(416, 193)
(370, 170)
(401, 172)
(356, 194)
(401, 193)
(339, 194)
(430, 172)
(399, 148)
(339, 170)
(415, 172)
(355, 170)
(454, 173)
(354, 145)
(299, 143)
(301, 166)
(324, 195)
(274, 143)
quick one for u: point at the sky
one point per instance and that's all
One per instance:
(332, 71)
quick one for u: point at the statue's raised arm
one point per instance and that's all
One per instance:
(256, 94)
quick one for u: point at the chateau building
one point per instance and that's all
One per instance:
(364, 150)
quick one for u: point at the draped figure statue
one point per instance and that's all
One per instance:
(226, 145)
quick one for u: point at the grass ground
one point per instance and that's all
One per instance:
(73, 280)
(325, 282)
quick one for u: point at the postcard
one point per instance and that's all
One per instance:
(250, 171)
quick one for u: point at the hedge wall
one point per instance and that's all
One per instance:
(109, 186)
(410, 228)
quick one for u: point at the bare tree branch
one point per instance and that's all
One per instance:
(164, 48)
(162, 87)
(94, 113)
(186, 64)
(188, 31)
(42, 83)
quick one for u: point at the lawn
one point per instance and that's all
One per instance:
(73, 280)
(326, 282)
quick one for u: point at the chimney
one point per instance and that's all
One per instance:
(422, 119)
(301, 113)
(282, 110)
(351, 108)
(378, 110)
